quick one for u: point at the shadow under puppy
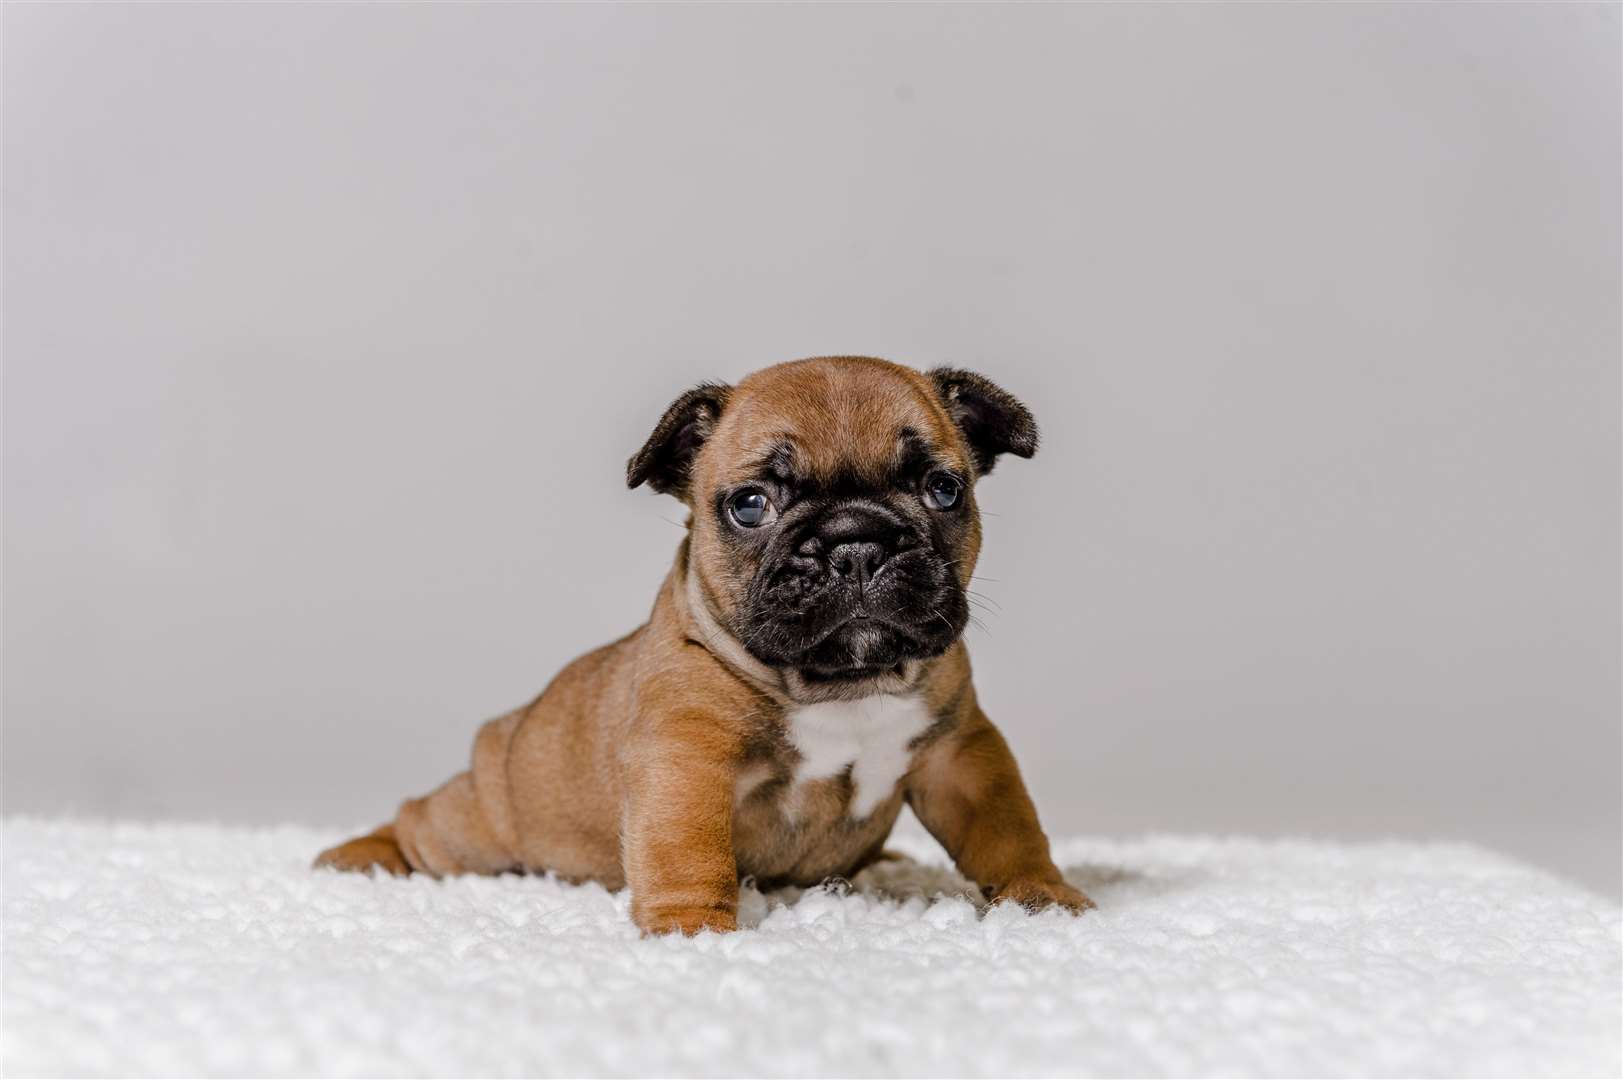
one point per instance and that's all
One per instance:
(802, 675)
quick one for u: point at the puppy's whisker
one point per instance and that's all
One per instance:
(944, 620)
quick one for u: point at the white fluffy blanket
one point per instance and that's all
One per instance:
(137, 950)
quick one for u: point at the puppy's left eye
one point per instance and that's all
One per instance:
(942, 491)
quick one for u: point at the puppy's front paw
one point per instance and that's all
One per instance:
(365, 854)
(1035, 895)
(686, 921)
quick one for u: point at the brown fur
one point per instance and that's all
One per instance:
(662, 762)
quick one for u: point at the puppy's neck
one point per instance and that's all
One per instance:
(693, 605)
(784, 685)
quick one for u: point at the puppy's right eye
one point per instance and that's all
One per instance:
(750, 508)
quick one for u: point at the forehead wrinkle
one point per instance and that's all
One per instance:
(776, 457)
(912, 450)
(747, 456)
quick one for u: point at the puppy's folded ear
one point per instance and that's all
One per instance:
(992, 419)
(666, 459)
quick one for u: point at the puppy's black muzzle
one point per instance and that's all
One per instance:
(852, 587)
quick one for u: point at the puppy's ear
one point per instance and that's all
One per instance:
(666, 458)
(992, 419)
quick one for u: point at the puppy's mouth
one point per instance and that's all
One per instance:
(861, 647)
(818, 677)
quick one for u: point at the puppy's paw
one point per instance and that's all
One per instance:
(1035, 895)
(365, 854)
(686, 921)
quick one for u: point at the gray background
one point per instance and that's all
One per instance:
(328, 331)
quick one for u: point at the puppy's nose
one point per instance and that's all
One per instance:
(858, 560)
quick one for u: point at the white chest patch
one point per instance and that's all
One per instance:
(870, 735)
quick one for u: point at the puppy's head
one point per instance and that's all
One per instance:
(834, 526)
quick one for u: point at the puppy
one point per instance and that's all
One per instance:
(802, 674)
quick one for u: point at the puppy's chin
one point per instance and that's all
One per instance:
(862, 657)
(808, 686)
(857, 645)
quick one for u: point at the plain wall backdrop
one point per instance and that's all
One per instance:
(328, 330)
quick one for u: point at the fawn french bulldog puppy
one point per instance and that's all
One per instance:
(802, 674)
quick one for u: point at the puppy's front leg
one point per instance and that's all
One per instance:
(677, 837)
(967, 791)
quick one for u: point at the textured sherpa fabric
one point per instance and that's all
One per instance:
(162, 950)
